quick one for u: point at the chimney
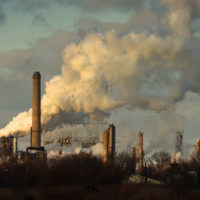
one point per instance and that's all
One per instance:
(15, 146)
(36, 112)
(111, 142)
(140, 152)
(198, 146)
(134, 156)
(106, 139)
(179, 142)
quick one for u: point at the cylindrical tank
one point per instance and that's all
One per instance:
(111, 142)
(106, 139)
(140, 151)
(36, 111)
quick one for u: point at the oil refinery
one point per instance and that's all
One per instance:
(9, 145)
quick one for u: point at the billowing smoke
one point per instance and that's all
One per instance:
(107, 71)
(168, 125)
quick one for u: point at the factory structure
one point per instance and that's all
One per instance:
(9, 145)
(36, 150)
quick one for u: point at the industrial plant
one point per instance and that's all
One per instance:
(83, 168)
(9, 145)
(35, 150)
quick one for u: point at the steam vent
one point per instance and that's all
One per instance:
(36, 111)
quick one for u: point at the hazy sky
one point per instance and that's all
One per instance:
(34, 34)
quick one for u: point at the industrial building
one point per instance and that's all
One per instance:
(8, 145)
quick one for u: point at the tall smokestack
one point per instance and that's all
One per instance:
(134, 156)
(179, 142)
(106, 139)
(198, 146)
(36, 111)
(140, 151)
(111, 142)
(15, 146)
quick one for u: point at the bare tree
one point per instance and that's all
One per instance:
(160, 159)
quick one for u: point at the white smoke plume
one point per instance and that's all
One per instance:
(168, 125)
(107, 71)
(78, 134)
(53, 150)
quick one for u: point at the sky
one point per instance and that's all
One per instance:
(133, 63)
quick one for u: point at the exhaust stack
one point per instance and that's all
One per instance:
(109, 144)
(179, 142)
(106, 139)
(134, 156)
(36, 111)
(198, 146)
(15, 146)
(140, 152)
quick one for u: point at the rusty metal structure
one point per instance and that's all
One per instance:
(89, 142)
(65, 141)
(140, 152)
(6, 146)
